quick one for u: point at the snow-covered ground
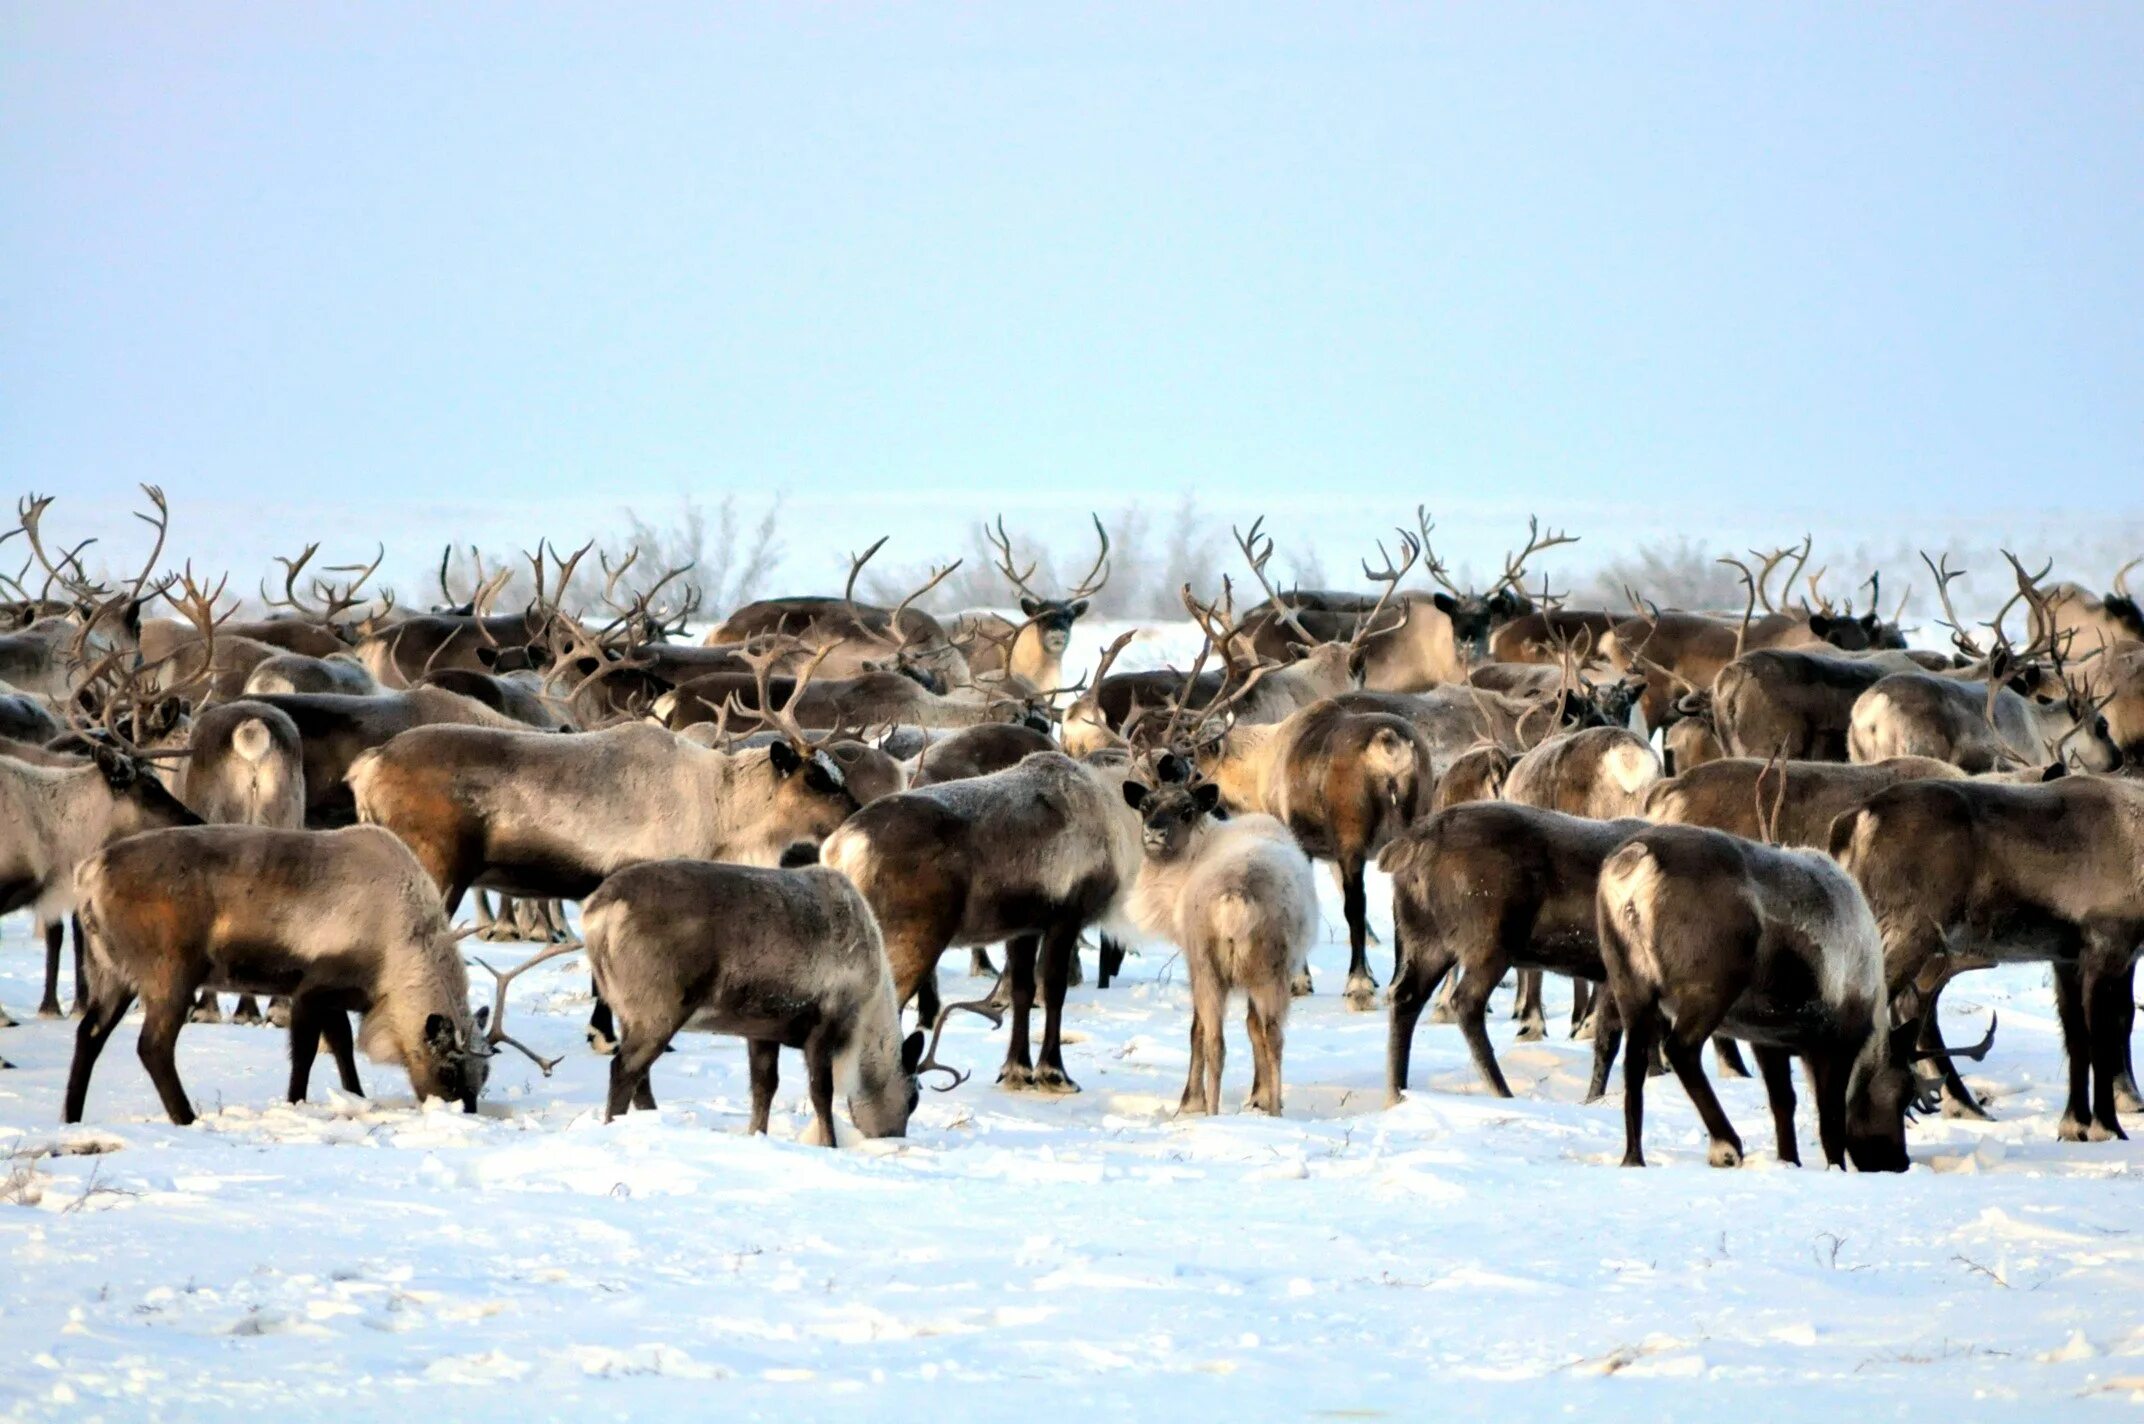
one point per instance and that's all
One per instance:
(1025, 1256)
(1021, 1255)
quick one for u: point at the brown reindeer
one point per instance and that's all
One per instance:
(340, 922)
(2003, 873)
(780, 958)
(1702, 932)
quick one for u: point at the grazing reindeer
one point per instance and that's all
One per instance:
(1029, 856)
(340, 922)
(780, 958)
(1702, 932)
(1033, 650)
(1237, 896)
(1983, 870)
(1488, 888)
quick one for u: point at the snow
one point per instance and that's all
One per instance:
(1457, 1255)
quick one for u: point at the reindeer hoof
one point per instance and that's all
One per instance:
(2105, 1132)
(279, 1014)
(251, 1018)
(1361, 995)
(207, 1013)
(1724, 1154)
(1299, 986)
(1441, 1012)
(1193, 1107)
(2070, 1130)
(601, 1044)
(2126, 1098)
(1532, 1031)
(1016, 1078)
(1633, 1159)
(1954, 1106)
(1053, 1081)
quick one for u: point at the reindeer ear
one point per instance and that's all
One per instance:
(1820, 624)
(1032, 607)
(1206, 796)
(912, 1053)
(1446, 604)
(1077, 608)
(439, 1033)
(1135, 795)
(488, 656)
(2054, 771)
(483, 1018)
(785, 758)
(1172, 768)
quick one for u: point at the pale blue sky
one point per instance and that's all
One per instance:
(1819, 256)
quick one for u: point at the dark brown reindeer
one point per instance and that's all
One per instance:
(1985, 871)
(340, 922)
(1029, 856)
(1702, 933)
(779, 958)
(1487, 888)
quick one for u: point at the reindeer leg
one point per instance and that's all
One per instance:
(335, 1028)
(1441, 1011)
(629, 1069)
(1581, 1008)
(81, 975)
(1415, 976)
(1778, 1070)
(99, 1019)
(1687, 1057)
(1361, 987)
(305, 1031)
(2106, 986)
(248, 1011)
(1730, 1055)
(766, 1059)
(1112, 962)
(1525, 1007)
(1018, 1074)
(1269, 1030)
(1637, 1060)
(1194, 1099)
(1057, 952)
(207, 1009)
(819, 1063)
(1607, 1038)
(49, 1007)
(1829, 1071)
(602, 1031)
(979, 965)
(279, 1012)
(2126, 1097)
(1472, 1005)
(2077, 1045)
(158, 1050)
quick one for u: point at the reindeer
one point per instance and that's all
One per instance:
(1689, 742)
(340, 922)
(1477, 774)
(1033, 650)
(47, 657)
(1489, 887)
(2089, 625)
(847, 637)
(1701, 932)
(1029, 856)
(1990, 871)
(1981, 725)
(24, 718)
(1793, 702)
(781, 958)
(1544, 636)
(341, 673)
(1432, 640)
(868, 699)
(1238, 897)
(335, 730)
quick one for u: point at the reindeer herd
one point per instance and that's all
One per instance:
(1776, 827)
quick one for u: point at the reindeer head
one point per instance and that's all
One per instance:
(1474, 616)
(882, 1109)
(1051, 618)
(1172, 813)
(453, 1061)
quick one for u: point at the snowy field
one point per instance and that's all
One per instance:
(1028, 1256)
